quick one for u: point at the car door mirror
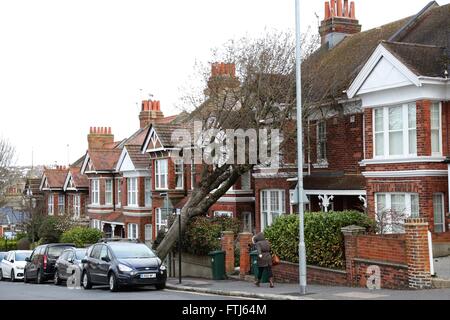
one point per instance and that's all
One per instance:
(70, 260)
(27, 259)
(106, 259)
(84, 260)
(12, 260)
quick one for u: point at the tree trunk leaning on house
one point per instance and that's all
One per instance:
(7, 174)
(260, 96)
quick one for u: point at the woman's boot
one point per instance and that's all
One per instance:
(271, 282)
(257, 282)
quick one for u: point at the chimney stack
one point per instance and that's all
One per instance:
(339, 22)
(98, 137)
(150, 112)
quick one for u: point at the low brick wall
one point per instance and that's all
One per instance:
(288, 272)
(388, 248)
(393, 276)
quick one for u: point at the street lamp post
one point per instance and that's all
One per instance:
(179, 245)
(301, 247)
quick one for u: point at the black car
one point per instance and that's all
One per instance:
(120, 264)
(41, 264)
(67, 263)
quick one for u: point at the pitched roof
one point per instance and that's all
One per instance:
(140, 161)
(104, 159)
(33, 184)
(55, 177)
(412, 56)
(79, 180)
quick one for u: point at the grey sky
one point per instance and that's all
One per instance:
(69, 65)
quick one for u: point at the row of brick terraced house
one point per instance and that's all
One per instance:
(376, 139)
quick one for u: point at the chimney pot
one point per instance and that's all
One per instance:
(327, 10)
(333, 8)
(158, 105)
(346, 12)
(109, 130)
(339, 8)
(352, 10)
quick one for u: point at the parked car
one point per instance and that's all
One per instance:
(41, 264)
(3, 255)
(120, 264)
(68, 261)
(13, 264)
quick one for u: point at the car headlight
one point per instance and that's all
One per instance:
(19, 268)
(162, 268)
(124, 268)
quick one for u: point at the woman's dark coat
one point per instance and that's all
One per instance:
(263, 247)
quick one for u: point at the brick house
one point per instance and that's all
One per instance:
(76, 188)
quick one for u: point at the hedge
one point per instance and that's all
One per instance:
(7, 245)
(323, 237)
(81, 236)
(203, 234)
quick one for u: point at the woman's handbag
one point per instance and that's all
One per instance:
(275, 259)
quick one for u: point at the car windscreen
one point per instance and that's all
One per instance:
(20, 256)
(132, 251)
(80, 254)
(56, 251)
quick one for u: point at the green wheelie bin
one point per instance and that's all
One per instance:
(254, 267)
(218, 264)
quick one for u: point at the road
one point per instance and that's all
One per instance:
(48, 291)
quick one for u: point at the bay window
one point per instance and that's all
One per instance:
(119, 191)
(132, 191)
(76, 206)
(272, 206)
(95, 198)
(393, 208)
(179, 181)
(438, 211)
(395, 131)
(321, 141)
(61, 204)
(161, 169)
(435, 118)
(133, 232)
(161, 219)
(50, 203)
(108, 191)
(148, 192)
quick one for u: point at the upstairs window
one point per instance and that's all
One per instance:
(61, 204)
(161, 169)
(132, 191)
(148, 192)
(109, 191)
(395, 131)
(436, 134)
(192, 174)
(119, 191)
(179, 173)
(95, 198)
(321, 141)
(50, 203)
(245, 181)
(76, 206)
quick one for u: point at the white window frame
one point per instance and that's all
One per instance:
(148, 191)
(439, 105)
(324, 139)
(405, 132)
(133, 231)
(247, 223)
(192, 174)
(132, 190)
(179, 174)
(96, 224)
(109, 191)
(50, 205)
(76, 206)
(61, 205)
(148, 232)
(159, 221)
(441, 196)
(161, 175)
(228, 214)
(408, 202)
(95, 192)
(119, 191)
(246, 177)
(267, 208)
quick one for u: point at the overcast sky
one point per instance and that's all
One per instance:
(68, 65)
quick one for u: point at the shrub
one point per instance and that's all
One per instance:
(323, 237)
(81, 236)
(21, 235)
(203, 233)
(7, 245)
(52, 228)
(23, 244)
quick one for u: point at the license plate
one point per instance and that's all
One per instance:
(148, 275)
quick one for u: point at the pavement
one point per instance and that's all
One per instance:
(284, 291)
(442, 267)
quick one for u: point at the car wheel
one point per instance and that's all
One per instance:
(40, 277)
(25, 279)
(112, 280)
(86, 282)
(1, 275)
(56, 279)
(13, 277)
(160, 286)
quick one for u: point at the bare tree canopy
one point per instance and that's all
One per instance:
(7, 174)
(251, 93)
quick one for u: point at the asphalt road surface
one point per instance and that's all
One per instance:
(48, 291)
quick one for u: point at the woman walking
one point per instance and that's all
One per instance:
(264, 261)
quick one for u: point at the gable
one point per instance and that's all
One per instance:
(125, 163)
(152, 142)
(385, 75)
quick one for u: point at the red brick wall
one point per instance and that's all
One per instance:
(392, 277)
(344, 146)
(423, 128)
(288, 272)
(389, 248)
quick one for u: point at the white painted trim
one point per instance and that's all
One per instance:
(134, 214)
(136, 173)
(238, 192)
(123, 154)
(99, 211)
(417, 159)
(405, 173)
(113, 223)
(136, 208)
(149, 137)
(336, 192)
(85, 163)
(380, 52)
(236, 199)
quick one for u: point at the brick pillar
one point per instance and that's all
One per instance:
(245, 239)
(350, 242)
(417, 253)
(228, 247)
